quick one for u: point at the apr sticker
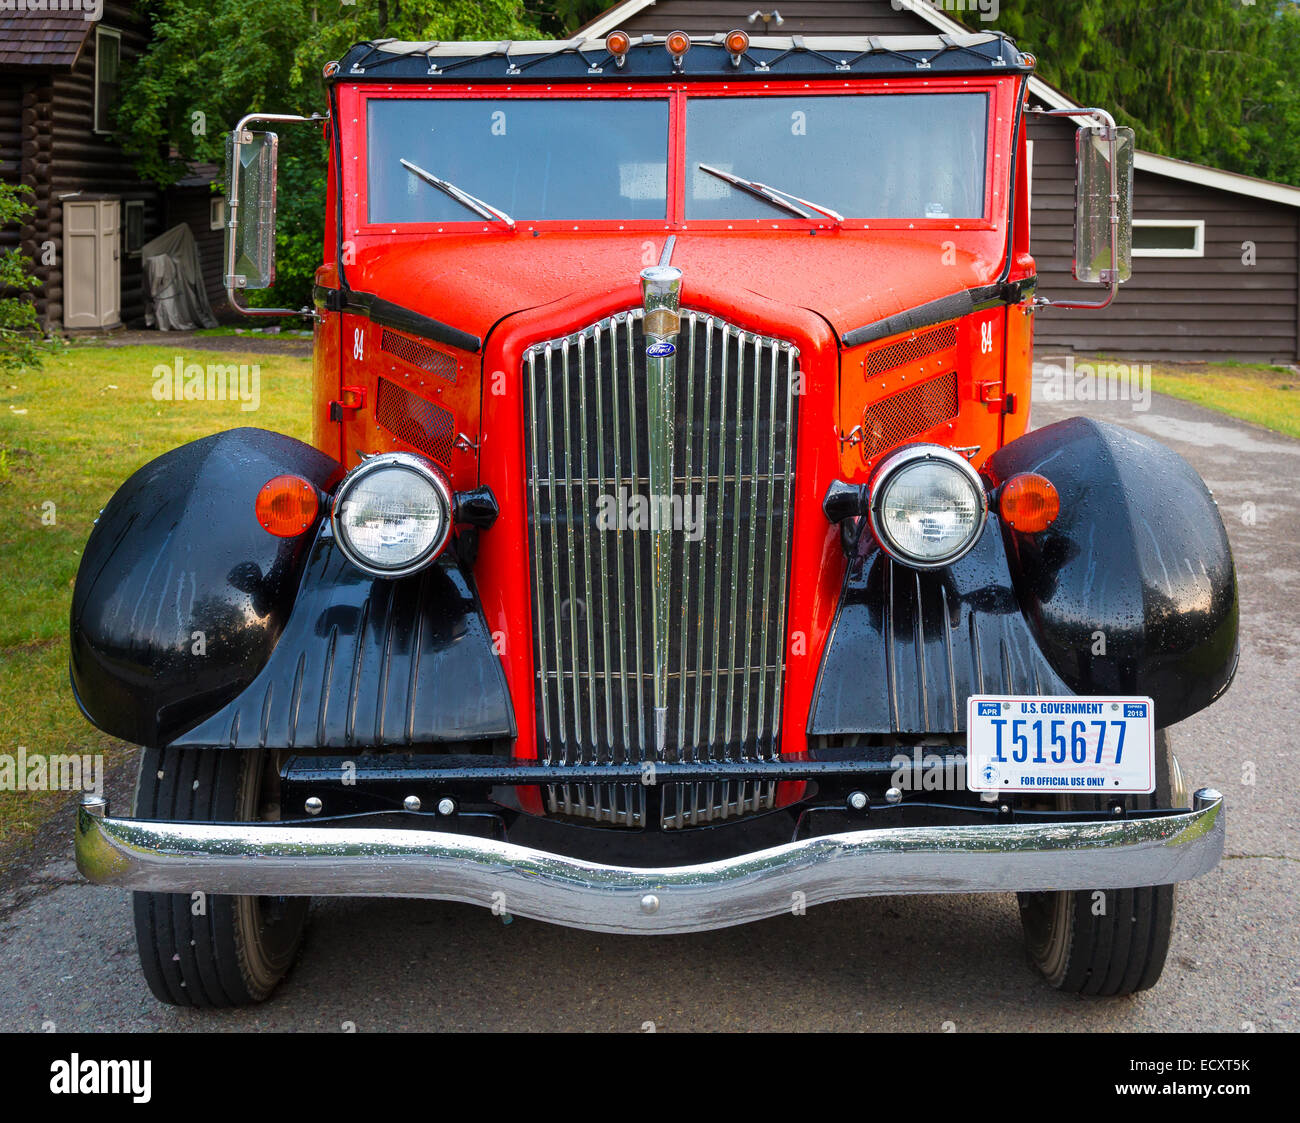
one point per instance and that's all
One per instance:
(660, 350)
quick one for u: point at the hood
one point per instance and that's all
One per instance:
(849, 278)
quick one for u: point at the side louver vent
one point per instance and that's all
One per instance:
(419, 355)
(894, 419)
(420, 423)
(912, 350)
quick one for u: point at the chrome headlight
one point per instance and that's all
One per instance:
(392, 514)
(927, 506)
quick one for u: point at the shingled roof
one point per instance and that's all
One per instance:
(42, 40)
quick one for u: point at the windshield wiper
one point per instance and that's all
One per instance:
(774, 195)
(464, 198)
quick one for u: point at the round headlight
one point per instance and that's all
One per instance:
(392, 514)
(927, 506)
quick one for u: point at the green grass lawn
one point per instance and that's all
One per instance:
(70, 433)
(1268, 396)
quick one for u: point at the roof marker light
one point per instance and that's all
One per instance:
(737, 45)
(618, 43)
(678, 43)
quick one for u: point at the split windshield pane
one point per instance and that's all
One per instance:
(863, 155)
(533, 158)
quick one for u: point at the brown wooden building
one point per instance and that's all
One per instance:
(59, 81)
(1216, 270)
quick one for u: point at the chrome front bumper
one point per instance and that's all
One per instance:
(266, 859)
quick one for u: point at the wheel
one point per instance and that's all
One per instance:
(1105, 942)
(208, 950)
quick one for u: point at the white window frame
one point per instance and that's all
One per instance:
(1029, 188)
(100, 34)
(1197, 224)
(217, 213)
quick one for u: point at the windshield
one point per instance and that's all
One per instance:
(866, 156)
(535, 159)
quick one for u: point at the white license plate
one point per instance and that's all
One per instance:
(1079, 745)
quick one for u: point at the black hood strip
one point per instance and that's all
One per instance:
(388, 314)
(950, 307)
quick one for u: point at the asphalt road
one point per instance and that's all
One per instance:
(68, 961)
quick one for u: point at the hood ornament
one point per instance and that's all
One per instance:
(661, 287)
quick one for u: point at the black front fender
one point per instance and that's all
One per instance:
(181, 594)
(1131, 591)
(192, 626)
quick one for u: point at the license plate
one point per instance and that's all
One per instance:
(1072, 744)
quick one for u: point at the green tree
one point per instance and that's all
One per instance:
(1210, 82)
(21, 341)
(211, 61)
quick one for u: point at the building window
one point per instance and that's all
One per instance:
(133, 227)
(217, 213)
(1168, 237)
(108, 59)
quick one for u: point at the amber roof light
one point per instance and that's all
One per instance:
(618, 43)
(737, 44)
(678, 43)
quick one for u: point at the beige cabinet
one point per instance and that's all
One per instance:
(92, 275)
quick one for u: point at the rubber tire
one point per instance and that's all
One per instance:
(1119, 952)
(239, 950)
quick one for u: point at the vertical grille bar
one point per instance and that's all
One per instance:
(637, 391)
(620, 391)
(716, 606)
(606, 666)
(590, 542)
(543, 687)
(587, 430)
(570, 667)
(787, 491)
(687, 492)
(737, 490)
(707, 442)
(553, 512)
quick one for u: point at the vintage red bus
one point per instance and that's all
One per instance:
(671, 550)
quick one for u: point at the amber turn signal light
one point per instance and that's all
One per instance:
(678, 43)
(618, 43)
(1029, 503)
(287, 505)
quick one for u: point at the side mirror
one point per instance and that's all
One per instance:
(250, 195)
(250, 229)
(1103, 205)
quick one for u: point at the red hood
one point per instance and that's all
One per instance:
(850, 278)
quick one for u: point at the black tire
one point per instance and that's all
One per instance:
(1105, 942)
(238, 948)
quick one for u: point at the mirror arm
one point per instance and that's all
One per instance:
(1109, 122)
(240, 137)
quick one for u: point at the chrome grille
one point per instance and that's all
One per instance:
(587, 435)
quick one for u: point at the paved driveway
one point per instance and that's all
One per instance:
(67, 953)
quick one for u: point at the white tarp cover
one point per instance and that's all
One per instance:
(174, 296)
